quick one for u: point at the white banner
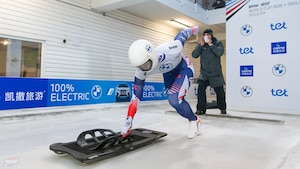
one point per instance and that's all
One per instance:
(262, 58)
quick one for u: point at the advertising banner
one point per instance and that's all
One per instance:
(262, 55)
(22, 92)
(16, 93)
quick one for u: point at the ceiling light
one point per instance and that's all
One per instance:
(5, 42)
(179, 24)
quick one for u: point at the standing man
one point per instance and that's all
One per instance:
(210, 50)
(177, 70)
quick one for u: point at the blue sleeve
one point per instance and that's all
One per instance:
(138, 87)
(183, 35)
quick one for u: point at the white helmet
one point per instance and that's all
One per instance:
(142, 51)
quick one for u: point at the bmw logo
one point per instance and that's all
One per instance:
(148, 48)
(246, 30)
(96, 91)
(246, 91)
(279, 70)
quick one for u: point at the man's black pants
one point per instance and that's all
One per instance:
(201, 105)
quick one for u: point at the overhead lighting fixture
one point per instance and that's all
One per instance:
(179, 24)
(5, 42)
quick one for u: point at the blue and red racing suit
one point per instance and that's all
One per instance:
(177, 70)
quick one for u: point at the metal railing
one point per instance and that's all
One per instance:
(209, 4)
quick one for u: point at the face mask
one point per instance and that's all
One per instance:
(206, 39)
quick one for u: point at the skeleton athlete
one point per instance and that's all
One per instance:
(177, 71)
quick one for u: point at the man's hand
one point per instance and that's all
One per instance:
(209, 41)
(202, 41)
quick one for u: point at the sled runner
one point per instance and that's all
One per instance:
(99, 144)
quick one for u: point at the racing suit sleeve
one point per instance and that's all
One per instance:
(137, 95)
(183, 35)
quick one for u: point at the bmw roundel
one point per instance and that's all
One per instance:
(96, 91)
(279, 70)
(148, 48)
(246, 30)
(246, 91)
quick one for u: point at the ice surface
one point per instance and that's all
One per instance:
(223, 143)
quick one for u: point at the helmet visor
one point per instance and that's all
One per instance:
(146, 66)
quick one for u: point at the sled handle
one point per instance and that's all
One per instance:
(83, 142)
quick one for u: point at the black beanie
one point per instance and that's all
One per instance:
(209, 31)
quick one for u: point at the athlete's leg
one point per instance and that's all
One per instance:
(177, 93)
(177, 100)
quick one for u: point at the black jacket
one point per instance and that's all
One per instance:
(210, 62)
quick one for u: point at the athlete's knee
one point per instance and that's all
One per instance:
(173, 100)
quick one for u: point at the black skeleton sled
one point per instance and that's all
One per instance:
(99, 144)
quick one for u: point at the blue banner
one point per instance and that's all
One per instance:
(154, 91)
(22, 93)
(16, 93)
(77, 92)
